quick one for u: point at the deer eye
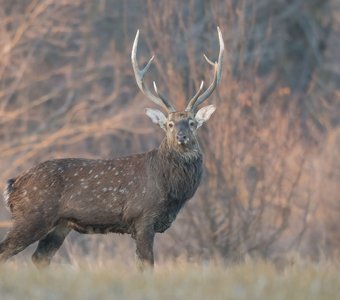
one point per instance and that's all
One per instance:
(171, 124)
(191, 123)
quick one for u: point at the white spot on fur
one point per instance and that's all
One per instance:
(104, 189)
(96, 176)
(75, 174)
(35, 188)
(90, 171)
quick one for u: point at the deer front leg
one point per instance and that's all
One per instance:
(144, 247)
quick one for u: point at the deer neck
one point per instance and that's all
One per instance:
(180, 163)
(179, 171)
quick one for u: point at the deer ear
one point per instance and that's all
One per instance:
(156, 116)
(204, 114)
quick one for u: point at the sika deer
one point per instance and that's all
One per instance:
(139, 194)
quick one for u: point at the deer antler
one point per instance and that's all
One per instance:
(139, 74)
(197, 100)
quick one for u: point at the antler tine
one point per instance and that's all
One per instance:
(162, 97)
(139, 74)
(208, 60)
(217, 75)
(193, 99)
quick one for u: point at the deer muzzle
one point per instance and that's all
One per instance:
(181, 138)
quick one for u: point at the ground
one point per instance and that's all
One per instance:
(180, 280)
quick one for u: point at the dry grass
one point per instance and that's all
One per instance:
(249, 280)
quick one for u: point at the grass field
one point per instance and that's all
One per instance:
(249, 280)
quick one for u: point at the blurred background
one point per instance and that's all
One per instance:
(272, 149)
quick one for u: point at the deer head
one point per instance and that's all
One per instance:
(180, 126)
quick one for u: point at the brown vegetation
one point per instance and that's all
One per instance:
(271, 150)
(250, 280)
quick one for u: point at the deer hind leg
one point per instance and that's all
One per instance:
(49, 245)
(21, 235)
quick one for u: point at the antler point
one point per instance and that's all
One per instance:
(155, 87)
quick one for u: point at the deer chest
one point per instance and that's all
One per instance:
(175, 198)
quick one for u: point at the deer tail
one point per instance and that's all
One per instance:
(8, 190)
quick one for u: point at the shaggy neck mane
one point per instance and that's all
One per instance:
(181, 154)
(180, 170)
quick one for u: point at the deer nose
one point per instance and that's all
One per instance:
(181, 137)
